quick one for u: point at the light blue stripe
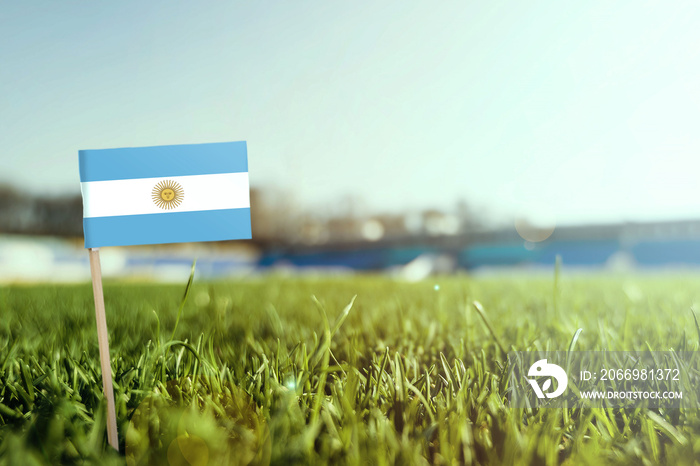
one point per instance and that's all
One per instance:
(180, 227)
(159, 161)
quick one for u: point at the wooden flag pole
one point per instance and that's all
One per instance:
(103, 341)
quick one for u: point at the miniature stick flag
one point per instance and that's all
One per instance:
(165, 194)
(153, 195)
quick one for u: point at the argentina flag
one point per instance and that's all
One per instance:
(165, 194)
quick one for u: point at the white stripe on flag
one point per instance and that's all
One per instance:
(134, 196)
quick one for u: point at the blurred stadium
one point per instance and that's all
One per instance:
(42, 240)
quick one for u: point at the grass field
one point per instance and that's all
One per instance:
(293, 371)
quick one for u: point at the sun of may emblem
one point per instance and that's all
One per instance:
(168, 194)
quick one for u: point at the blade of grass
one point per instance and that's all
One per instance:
(572, 345)
(188, 287)
(480, 310)
(343, 315)
(697, 326)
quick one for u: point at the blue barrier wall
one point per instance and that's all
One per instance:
(593, 253)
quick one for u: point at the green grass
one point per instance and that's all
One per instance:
(291, 370)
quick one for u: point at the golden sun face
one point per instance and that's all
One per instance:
(168, 194)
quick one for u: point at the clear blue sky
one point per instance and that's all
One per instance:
(589, 110)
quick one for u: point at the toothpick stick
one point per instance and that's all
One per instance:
(103, 341)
